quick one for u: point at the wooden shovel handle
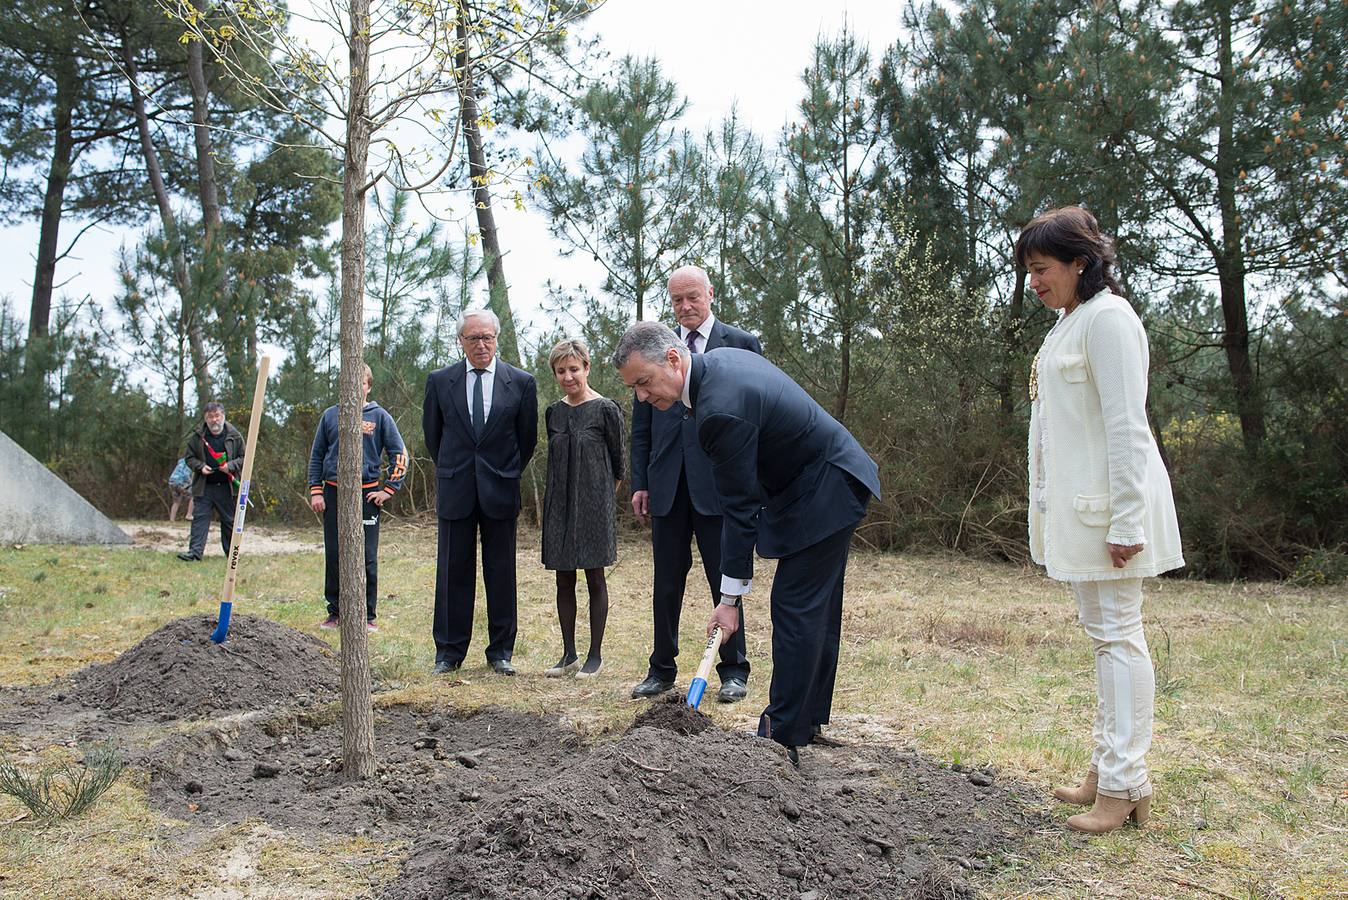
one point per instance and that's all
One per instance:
(245, 478)
(709, 655)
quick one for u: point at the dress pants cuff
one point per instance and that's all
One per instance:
(786, 736)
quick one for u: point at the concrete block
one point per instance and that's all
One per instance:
(37, 507)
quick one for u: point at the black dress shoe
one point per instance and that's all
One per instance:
(502, 667)
(189, 557)
(794, 755)
(444, 667)
(817, 736)
(651, 687)
(733, 690)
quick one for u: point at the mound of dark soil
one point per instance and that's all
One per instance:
(672, 713)
(434, 770)
(178, 672)
(721, 814)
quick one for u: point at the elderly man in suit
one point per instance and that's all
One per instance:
(792, 482)
(672, 489)
(481, 423)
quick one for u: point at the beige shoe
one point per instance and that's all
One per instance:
(1083, 795)
(590, 669)
(1110, 813)
(564, 666)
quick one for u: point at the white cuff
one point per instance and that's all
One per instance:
(1126, 538)
(735, 587)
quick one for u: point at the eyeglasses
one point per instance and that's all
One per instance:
(478, 338)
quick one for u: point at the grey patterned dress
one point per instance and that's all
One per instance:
(585, 459)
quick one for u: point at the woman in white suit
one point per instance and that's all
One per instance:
(1101, 513)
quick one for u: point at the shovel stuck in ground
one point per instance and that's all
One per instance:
(699, 685)
(236, 540)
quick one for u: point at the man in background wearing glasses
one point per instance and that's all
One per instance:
(481, 423)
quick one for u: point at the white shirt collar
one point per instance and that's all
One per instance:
(491, 366)
(687, 380)
(704, 329)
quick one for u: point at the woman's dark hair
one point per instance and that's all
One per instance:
(1069, 234)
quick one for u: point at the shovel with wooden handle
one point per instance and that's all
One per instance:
(699, 685)
(236, 541)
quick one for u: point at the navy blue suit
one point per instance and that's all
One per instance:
(793, 483)
(667, 462)
(477, 482)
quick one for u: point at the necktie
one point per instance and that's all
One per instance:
(691, 341)
(478, 416)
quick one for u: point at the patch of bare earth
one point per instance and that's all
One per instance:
(504, 804)
(164, 537)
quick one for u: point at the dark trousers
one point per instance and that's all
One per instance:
(369, 515)
(220, 499)
(671, 542)
(456, 586)
(807, 595)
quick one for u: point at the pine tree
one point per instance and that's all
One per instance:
(629, 202)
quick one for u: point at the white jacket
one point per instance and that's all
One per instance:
(1096, 476)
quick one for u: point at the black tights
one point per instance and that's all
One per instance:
(566, 609)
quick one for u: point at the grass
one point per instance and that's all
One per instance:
(967, 661)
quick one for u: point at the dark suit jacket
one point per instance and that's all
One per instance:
(780, 463)
(486, 472)
(665, 443)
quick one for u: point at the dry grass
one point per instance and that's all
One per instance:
(967, 661)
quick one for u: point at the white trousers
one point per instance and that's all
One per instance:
(1125, 685)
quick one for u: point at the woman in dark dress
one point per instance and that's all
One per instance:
(585, 465)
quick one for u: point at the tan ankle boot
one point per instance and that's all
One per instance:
(1110, 813)
(1083, 795)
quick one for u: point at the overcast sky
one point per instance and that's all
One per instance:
(747, 53)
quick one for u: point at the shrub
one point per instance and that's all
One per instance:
(1325, 566)
(65, 789)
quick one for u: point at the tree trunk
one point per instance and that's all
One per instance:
(1159, 437)
(1015, 310)
(211, 280)
(845, 318)
(357, 708)
(498, 291)
(1231, 262)
(386, 292)
(1236, 344)
(845, 381)
(639, 244)
(180, 377)
(207, 183)
(44, 277)
(182, 278)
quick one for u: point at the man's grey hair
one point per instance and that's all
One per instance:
(696, 271)
(649, 340)
(478, 314)
(213, 406)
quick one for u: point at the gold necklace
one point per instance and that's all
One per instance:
(1034, 365)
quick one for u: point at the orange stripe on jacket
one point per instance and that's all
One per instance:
(399, 467)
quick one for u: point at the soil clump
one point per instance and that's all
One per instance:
(178, 672)
(722, 814)
(434, 770)
(672, 713)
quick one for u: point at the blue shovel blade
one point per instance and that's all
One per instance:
(695, 691)
(222, 627)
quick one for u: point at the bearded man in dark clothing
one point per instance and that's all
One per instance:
(215, 456)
